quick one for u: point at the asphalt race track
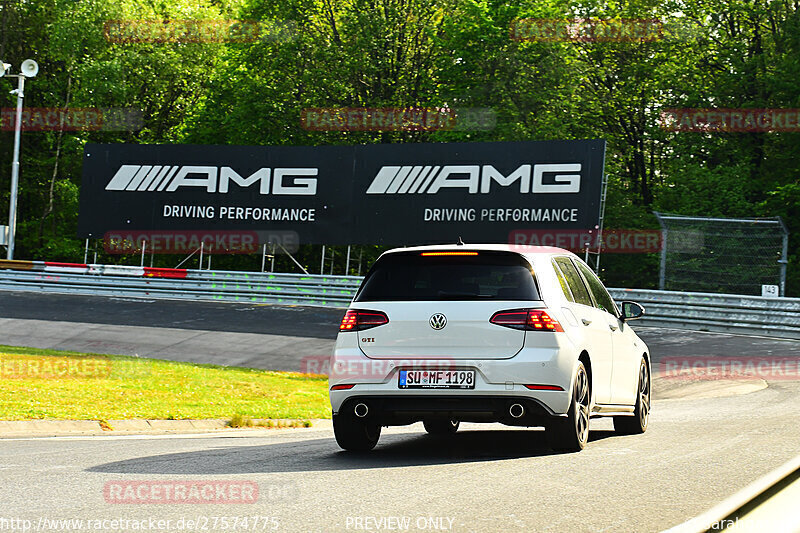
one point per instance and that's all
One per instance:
(257, 336)
(700, 448)
(486, 478)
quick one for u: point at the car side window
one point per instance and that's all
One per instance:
(563, 282)
(601, 296)
(579, 292)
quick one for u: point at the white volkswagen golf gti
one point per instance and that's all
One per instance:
(486, 333)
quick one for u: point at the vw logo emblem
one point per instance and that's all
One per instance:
(438, 321)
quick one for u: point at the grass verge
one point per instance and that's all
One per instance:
(60, 385)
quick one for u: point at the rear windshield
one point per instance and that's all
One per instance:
(410, 276)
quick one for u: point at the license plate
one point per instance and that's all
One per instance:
(436, 379)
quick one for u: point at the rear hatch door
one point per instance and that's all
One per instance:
(439, 304)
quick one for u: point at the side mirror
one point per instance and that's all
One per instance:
(631, 310)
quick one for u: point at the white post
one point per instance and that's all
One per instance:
(263, 256)
(347, 263)
(86, 251)
(202, 248)
(144, 247)
(322, 263)
(272, 260)
(12, 205)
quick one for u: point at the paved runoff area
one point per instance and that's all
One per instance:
(705, 442)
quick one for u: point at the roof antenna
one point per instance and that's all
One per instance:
(460, 242)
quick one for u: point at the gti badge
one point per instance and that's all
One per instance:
(438, 321)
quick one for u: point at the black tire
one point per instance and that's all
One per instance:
(355, 435)
(441, 427)
(636, 424)
(570, 433)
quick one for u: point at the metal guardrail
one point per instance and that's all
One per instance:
(776, 317)
(287, 289)
(732, 313)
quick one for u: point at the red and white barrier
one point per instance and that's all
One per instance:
(108, 270)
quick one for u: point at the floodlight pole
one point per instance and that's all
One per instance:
(12, 205)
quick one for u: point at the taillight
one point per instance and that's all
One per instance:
(358, 320)
(526, 319)
(539, 319)
(349, 321)
(347, 386)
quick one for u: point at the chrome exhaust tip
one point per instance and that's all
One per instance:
(361, 410)
(516, 410)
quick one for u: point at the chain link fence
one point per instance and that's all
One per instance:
(723, 255)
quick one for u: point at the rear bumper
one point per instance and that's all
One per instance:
(390, 410)
(496, 380)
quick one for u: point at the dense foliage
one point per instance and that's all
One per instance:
(456, 53)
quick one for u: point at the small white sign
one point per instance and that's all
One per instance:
(770, 290)
(3, 235)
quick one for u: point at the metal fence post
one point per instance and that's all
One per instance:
(599, 250)
(322, 263)
(784, 256)
(662, 272)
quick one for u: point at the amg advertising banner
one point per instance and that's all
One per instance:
(369, 194)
